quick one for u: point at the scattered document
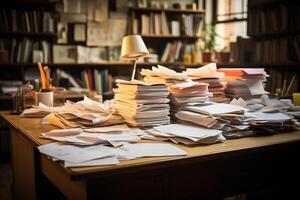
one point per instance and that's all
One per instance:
(73, 153)
(153, 150)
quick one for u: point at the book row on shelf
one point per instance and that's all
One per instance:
(26, 21)
(83, 54)
(159, 24)
(25, 50)
(97, 80)
(267, 51)
(176, 51)
(279, 19)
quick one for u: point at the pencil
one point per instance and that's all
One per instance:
(43, 77)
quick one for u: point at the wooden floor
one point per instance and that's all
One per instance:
(5, 181)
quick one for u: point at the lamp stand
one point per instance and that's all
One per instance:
(134, 69)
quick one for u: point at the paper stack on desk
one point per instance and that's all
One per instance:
(185, 134)
(85, 113)
(142, 104)
(182, 90)
(112, 135)
(208, 74)
(161, 74)
(97, 155)
(245, 82)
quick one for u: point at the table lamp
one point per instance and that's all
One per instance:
(133, 47)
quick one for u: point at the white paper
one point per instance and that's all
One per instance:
(270, 117)
(112, 160)
(216, 109)
(183, 130)
(153, 149)
(73, 153)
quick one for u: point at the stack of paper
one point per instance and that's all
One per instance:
(142, 104)
(161, 74)
(265, 123)
(224, 117)
(85, 113)
(245, 82)
(112, 135)
(208, 74)
(40, 111)
(189, 92)
(80, 156)
(183, 91)
(184, 133)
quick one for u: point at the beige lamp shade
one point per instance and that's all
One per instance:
(133, 47)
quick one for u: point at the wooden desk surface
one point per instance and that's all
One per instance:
(31, 128)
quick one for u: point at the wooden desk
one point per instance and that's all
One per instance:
(247, 165)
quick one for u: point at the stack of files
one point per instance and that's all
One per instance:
(185, 134)
(85, 113)
(40, 111)
(208, 74)
(142, 104)
(245, 82)
(271, 123)
(187, 93)
(97, 155)
(163, 75)
(112, 135)
(224, 117)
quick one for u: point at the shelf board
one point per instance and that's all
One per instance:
(141, 64)
(170, 37)
(275, 34)
(28, 34)
(170, 10)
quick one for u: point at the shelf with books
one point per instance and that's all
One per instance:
(168, 10)
(274, 31)
(50, 35)
(275, 34)
(149, 64)
(168, 33)
(170, 36)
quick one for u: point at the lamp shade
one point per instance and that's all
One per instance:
(133, 47)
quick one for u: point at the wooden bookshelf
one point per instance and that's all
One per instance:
(274, 30)
(28, 34)
(169, 10)
(180, 37)
(293, 65)
(167, 30)
(275, 34)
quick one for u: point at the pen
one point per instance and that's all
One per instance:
(36, 85)
(47, 74)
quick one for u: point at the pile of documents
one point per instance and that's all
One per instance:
(97, 155)
(85, 113)
(111, 135)
(270, 123)
(245, 82)
(142, 104)
(208, 74)
(185, 134)
(183, 90)
(161, 74)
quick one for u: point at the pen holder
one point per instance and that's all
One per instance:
(45, 97)
(296, 99)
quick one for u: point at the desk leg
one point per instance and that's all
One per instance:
(22, 154)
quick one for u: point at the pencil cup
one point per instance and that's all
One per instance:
(296, 99)
(45, 97)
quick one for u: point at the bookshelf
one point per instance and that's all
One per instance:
(169, 33)
(274, 30)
